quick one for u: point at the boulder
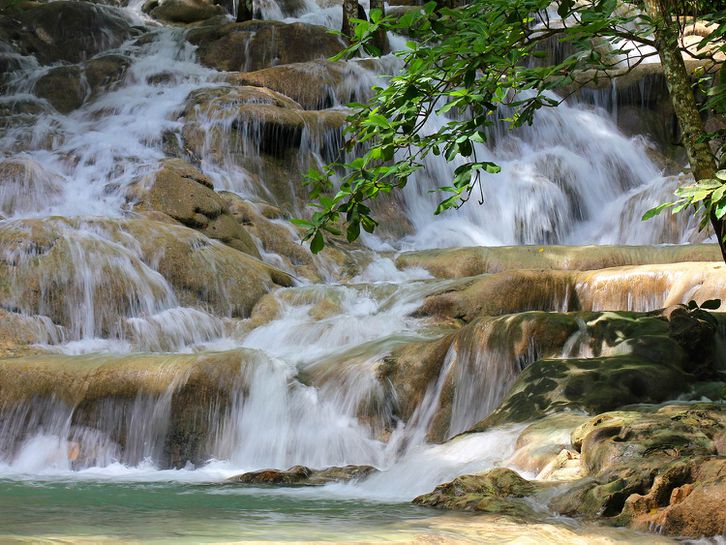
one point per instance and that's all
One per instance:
(105, 71)
(182, 11)
(314, 85)
(257, 44)
(62, 87)
(181, 191)
(629, 288)
(304, 476)
(473, 367)
(68, 31)
(498, 491)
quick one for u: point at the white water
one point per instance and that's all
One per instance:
(563, 181)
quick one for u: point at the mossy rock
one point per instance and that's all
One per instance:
(496, 491)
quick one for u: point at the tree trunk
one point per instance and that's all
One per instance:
(380, 40)
(680, 88)
(350, 12)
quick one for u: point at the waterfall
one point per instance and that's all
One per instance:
(152, 348)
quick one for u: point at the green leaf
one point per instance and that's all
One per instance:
(711, 304)
(655, 211)
(317, 243)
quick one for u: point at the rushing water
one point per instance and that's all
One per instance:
(300, 386)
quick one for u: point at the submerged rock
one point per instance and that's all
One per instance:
(173, 393)
(62, 87)
(304, 476)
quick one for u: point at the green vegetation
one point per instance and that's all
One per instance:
(484, 64)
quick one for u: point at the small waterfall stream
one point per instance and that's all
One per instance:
(157, 353)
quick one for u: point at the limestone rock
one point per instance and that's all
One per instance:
(496, 491)
(652, 466)
(90, 387)
(182, 11)
(254, 45)
(69, 31)
(132, 267)
(63, 88)
(104, 71)
(27, 186)
(266, 135)
(187, 195)
(304, 476)
(314, 85)
(461, 262)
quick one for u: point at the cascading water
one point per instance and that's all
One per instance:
(110, 296)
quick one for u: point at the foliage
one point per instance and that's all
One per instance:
(477, 66)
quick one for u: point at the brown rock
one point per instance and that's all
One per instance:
(254, 45)
(63, 88)
(184, 193)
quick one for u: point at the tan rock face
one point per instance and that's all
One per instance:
(187, 195)
(254, 45)
(632, 288)
(112, 270)
(266, 134)
(461, 262)
(314, 85)
(193, 388)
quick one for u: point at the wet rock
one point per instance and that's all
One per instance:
(63, 88)
(696, 508)
(68, 31)
(631, 288)
(133, 269)
(104, 71)
(182, 11)
(461, 262)
(304, 476)
(644, 464)
(276, 235)
(187, 195)
(314, 85)
(487, 356)
(193, 388)
(254, 45)
(27, 186)
(264, 134)
(544, 447)
(496, 491)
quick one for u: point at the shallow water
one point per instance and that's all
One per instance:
(97, 511)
